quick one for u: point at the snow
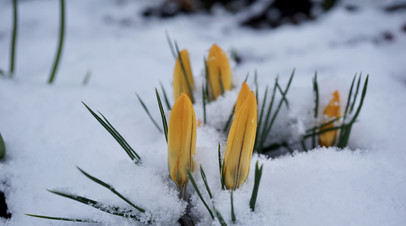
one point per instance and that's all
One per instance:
(48, 131)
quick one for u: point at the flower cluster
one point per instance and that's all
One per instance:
(182, 122)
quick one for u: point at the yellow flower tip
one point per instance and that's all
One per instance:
(199, 123)
(181, 141)
(242, 95)
(240, 143)
(217, 64)
(215, 50)
(179, 82)
(332, 110)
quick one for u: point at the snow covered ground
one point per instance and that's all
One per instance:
(48, 131)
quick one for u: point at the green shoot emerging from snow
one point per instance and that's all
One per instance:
(117, 136)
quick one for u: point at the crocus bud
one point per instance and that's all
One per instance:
(181, 142)
(218, 68)
(240, 143)
(331, 111)
(242, 95)
(180, 84)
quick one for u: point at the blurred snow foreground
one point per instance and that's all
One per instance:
(48, 132)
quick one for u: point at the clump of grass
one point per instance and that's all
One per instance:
(114, 210)
(342, 123)
(349, 117)
(267, 119)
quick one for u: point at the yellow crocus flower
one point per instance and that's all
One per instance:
(240, 143)
(242, 95)
(181, 142)
(331, 111)
(179, 82)
(217, 64)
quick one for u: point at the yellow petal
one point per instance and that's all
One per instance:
(331, 111)
(181, 140)
(217, 64)
(179, 81)
(242, 95)
(240, 143)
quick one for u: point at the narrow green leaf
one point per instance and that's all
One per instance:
(356, 94)
(246, 77)
(256, 84)
(205, 181)
(268, 130)
(316, 94)
(133, 155)
(322, 131)
(204, 104)
(2, 148)
(149, 114)
(87, 78)
(364, 92)
(221, 82)
(223, 183)
(221, 167)
(14, 38)
(116, 135)
(219, 159)
(199, 193)
(168, 105)
(63, 218)
(161, 109)
(316, 104)
(130, 151)
(283, 98)
(260, 118)
(346, 112)
(324, 124)
(2, 73)
(258, 175)
(114, 210)
(343, 140)
(230, 117)
(189, 86)
(60, 42)
(170, 44)
(219, 217)
(111, 188)
(349, 98)
(263, 134)
(233, 218)
(207, 79)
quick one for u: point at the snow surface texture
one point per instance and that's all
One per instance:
(48, 131)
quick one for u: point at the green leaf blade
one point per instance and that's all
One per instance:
(192, 180)
(163, 117)
(112, 189)
(2, 148)
(148, 113)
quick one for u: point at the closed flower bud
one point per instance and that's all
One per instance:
(179, 82)
(331, 111)
(240, 143)
(181, 142)
(218, 69)
(242, 95)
